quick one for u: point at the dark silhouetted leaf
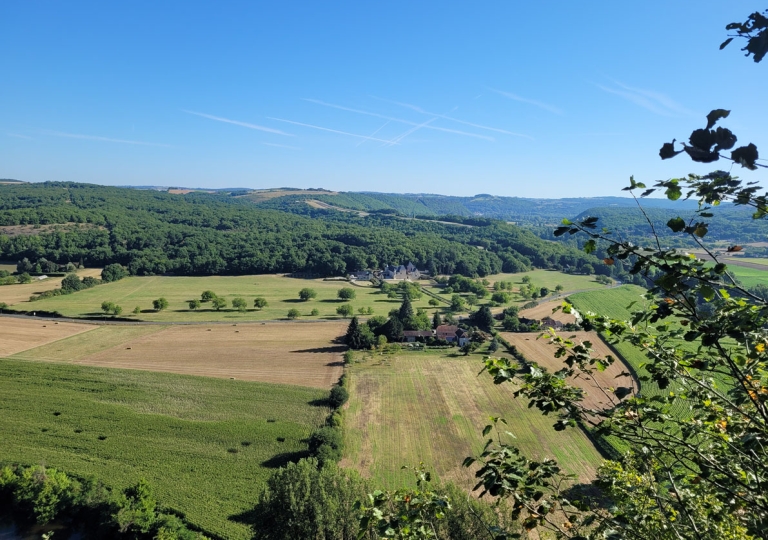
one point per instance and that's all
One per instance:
(746, 156)
(676, 224)
(725, 43)
(703, 139)
(717, 114)
(668, 150)
(724, 139)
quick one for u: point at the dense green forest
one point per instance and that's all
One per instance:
(153, 232)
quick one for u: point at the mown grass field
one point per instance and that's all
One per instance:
(18, 293)
(431, 407)
(749, 276)
(550, 279)
(205, 445)
(282, 294)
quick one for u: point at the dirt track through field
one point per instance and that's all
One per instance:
(542, 352)
(298, 354)
(18, 335)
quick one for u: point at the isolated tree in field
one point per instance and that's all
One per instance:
(160, 304)
(345, 310)
(501, 297)
(136, 310)
(544, 292)
(306, 294)
(194, 304)
(293, 313)
(107, 307)
(207, 296)
(315, 312)
(114, 272)
(218, 303)
(457, 303)
(346, 294)
(260, 302)
(559, 288)
(434, 302)
(240, 304)
(3, 306)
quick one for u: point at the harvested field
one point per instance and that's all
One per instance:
(14, 294)
(301, 354)
(545, 310)
(18, 335)
(542, 352)
(431, 407)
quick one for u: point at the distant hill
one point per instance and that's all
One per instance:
(10, 181)
(528, 211)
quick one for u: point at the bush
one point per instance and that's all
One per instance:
(326, 445)
(207, 296)
(113, 272)
(346, 293)
(339, 396)
(71, 283)
(303, 500)
(160, 304)
(293, 313)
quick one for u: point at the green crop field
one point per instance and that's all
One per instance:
(281, 292)
(749, 276)
(550, 279)
(431, 407)
(205, 445)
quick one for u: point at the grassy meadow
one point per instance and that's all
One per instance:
(431, 407)
(281, 293)
(749, 276)
(206, 445)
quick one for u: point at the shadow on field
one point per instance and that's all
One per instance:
(320, 402)
(281, 460)
(294, 300)
(336, 349)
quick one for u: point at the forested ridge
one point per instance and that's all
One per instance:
(153, 232)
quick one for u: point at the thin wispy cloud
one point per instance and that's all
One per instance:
(539, 104)
(375, 132)
(452, 119)
(651, 100)
(281, 145)
(400, 120)
(103, 139)
(18, 135)
(366, 137)
(654, 102)
(239, 123)
(399, 138)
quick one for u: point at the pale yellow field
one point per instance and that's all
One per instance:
(14, 294)
(542, 352)
(302, 354)
(18, 334)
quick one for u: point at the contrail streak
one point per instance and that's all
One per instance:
(239, 123)
(328, 129)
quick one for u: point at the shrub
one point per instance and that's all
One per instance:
(339, 396)
(326, 445)
(293, 313)
(113, 272)
(307, 294)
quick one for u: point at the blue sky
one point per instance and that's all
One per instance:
(533, 99)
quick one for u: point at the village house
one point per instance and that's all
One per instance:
(549, 322)
(361, 275)
(412, 336)
(452, 334)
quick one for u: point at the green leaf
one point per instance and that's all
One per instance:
(676, 224)
(590, 246)
(707, 292)
(673, 192)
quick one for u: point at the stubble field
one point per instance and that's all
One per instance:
(20, 293)
(303, 354)
(432, 407)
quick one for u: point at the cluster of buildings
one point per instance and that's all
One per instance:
(446, 332)
(402, 272)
